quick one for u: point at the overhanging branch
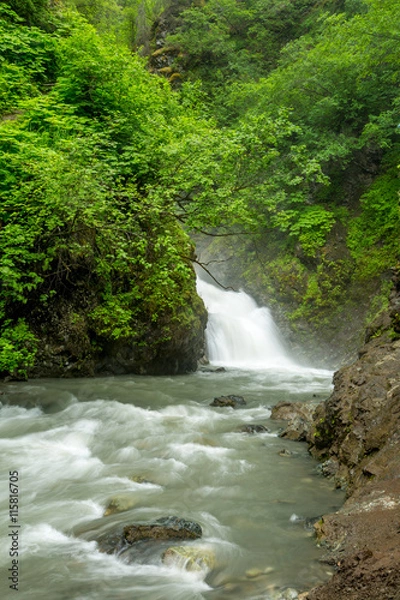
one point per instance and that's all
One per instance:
(229, 288)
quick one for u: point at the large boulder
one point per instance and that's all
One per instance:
(142, 540)
(358, 427)
(166, 528)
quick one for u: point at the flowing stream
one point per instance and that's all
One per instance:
(158, 445)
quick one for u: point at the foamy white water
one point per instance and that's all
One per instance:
(239, 333)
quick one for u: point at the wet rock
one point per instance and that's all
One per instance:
(191, 558)
(250, 428)
(165, 528)
(230, 400)
(286, 452)
(310, 522)
(119, 504)
(109, 542)
(143, 541)
(210, 369)
(329, 468)
(299, 417)
(259, 586)
(357, 428)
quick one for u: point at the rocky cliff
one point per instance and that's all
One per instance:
(356, 435)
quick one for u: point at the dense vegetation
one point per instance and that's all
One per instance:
(327, 204)
(278, 120)
(90, 250)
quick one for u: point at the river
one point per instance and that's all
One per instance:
(157, 443)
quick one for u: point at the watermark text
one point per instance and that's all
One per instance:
(14, 530)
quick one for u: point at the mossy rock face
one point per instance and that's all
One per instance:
(191, 558)
(69, 346)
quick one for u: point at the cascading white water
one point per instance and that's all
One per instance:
(239, 333)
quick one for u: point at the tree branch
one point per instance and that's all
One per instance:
(212, 276)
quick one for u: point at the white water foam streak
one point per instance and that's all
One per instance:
(239, 333)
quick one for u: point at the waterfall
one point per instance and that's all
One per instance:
(239, 333)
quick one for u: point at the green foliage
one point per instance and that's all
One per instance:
(326, 288)
(32, 12)
(337, 80)
(101, 162)
(311, 226)
(129, 22)
(289, 278)
(84, 210)
(17, 348)
(339, 83)
(224, 40)
(373, 235)
(27, 58)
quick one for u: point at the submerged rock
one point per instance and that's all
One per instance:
(254, 572)
(191, 558)
(120, 504)
(139, 479)
(210, 369)
(165, 528)
(249, 428)
(230, 400)
(285, 452)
